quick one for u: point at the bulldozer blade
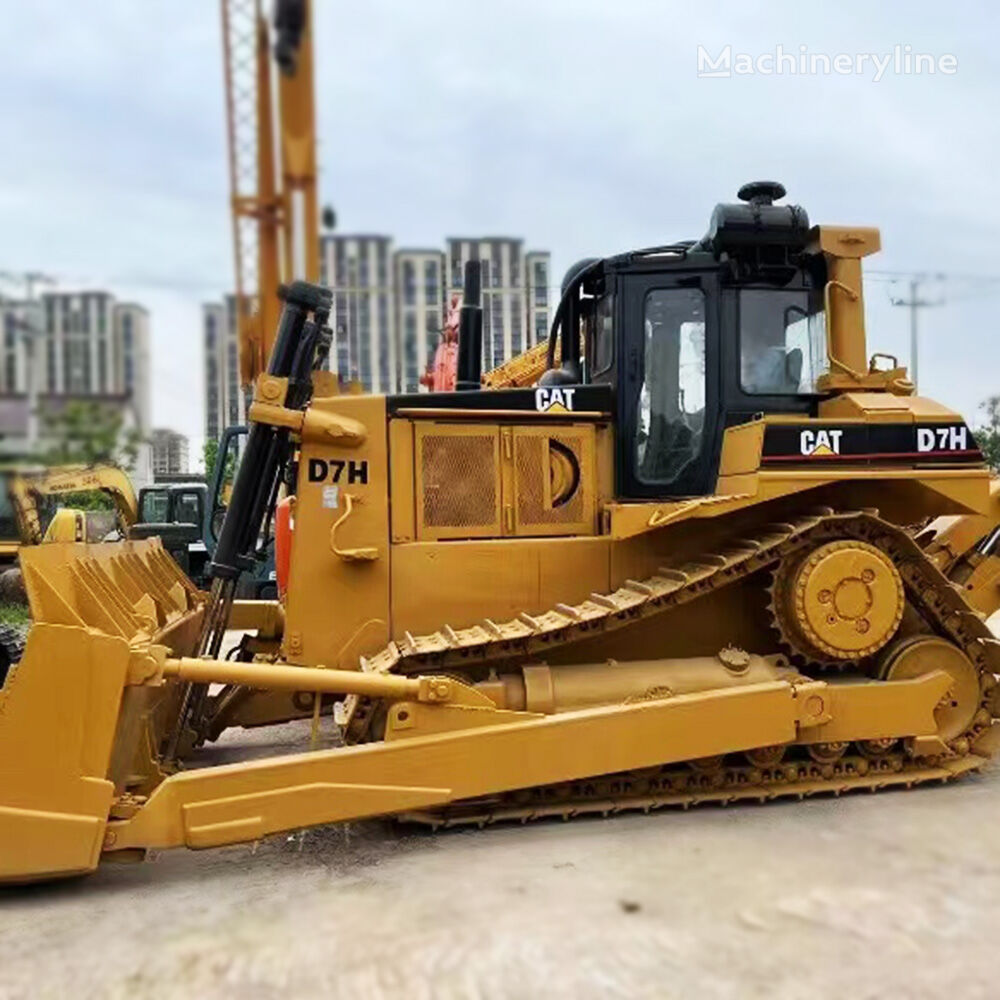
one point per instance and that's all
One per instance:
(97, 611)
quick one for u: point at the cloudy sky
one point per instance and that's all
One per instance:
(582, 126)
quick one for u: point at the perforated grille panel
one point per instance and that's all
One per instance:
(459, 475)
(550, 484)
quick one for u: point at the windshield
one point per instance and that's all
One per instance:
(187, 508)
(155, 507)
(782, 341)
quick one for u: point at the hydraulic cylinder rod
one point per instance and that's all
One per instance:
(274, 676)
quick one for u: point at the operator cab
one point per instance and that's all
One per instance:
(174, 512)
(697, 336)
(172, 503)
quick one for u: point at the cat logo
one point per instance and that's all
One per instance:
(554, 399)
(820, 442)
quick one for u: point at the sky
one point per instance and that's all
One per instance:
(582, 126)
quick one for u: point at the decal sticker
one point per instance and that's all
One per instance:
(942, 438)
(870, 443)
(576, 398)
(331, 497)
(820, 442)
(553, 399)
(336, 470)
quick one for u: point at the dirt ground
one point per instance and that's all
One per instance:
(888, 895)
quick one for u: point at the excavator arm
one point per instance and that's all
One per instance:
(25, 490)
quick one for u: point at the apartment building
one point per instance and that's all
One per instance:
(170, 452)
(420, 304)
(389, 306)
(515, 292)
(225, 402)
(359, 270)
(85, 345)
(131, 358)
(15, 318)
(538, 293)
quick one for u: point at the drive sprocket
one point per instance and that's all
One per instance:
(838, 602)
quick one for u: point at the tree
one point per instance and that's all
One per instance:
(987, 435)
(210, 455)
(86, 432)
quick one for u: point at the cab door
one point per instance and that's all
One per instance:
(668, 385)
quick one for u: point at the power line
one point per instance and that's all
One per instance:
(940, 275)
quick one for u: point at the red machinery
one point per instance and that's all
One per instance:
(441, 372)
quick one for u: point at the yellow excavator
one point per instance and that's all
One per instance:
(714, 553)
(21, 491)
(21, 522)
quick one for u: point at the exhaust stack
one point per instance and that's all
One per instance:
(470, 331)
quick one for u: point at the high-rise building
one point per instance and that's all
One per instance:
(94, 345)
(388, 310)
(225, 402)
(14, 317)
(515, 292)
(87, 346)
(358, 269)
(420, 312)
(170, 452)
(131, 355)
(537, 270)
(502, 269)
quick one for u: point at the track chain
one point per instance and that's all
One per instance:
(679, 788)
(526, 637)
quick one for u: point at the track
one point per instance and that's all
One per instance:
(680, 787)
(470, 650)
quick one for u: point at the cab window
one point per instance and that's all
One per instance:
(604, 334)
(155, 507)
(187, 508)
(671, 404)
(782, 341)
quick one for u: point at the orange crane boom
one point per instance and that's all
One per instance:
(275, 225)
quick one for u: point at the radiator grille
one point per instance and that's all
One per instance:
(544, 472)
(459, 480)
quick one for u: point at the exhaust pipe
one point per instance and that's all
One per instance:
(470, 331)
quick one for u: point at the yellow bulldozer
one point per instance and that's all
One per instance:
(715, 553)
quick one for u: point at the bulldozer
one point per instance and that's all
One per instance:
(715, 553)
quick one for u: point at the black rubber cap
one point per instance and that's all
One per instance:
(761, 192)
(306, 294)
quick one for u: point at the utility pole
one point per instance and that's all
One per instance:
(914, 303)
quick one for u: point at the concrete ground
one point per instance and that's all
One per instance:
(888, 895)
